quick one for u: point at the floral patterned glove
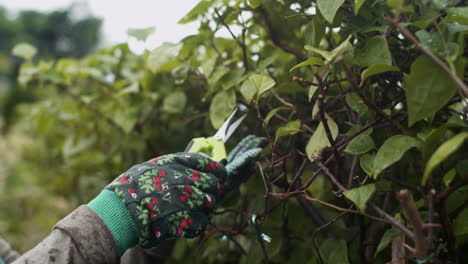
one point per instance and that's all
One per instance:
(241, 160)
(171, 196)
(167, 197)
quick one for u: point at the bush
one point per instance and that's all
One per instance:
(363, 103)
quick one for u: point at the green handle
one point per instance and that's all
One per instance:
(213, 147)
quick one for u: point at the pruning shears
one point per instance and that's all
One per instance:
(214, 146)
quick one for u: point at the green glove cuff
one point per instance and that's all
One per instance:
(117, 218)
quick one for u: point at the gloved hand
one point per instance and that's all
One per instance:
(171, 196)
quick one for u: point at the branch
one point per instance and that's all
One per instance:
(273, 35)
(303, 81)
(355, 87)
(420, 240)
(393, 221)
(461, 85)
(92, 108)
(330, 175)
(452, 188)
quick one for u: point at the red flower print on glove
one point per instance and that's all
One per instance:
(132, 193)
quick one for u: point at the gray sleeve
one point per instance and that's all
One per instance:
(80, 237)
(7, 254)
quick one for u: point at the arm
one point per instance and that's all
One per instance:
(165, 198)
(7, 254)
(81, 237)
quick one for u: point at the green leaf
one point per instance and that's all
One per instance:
(312, 90)
(356, 103)
(375, 69)
(375, 52)
(460, 228)
(449, 176)
(315, 110)
(428, 88)
(255, 3)
(263, 83)
(435, 43)
(200, 9)
(132, 88)
(24, 50)
(256, 84)
(328, 8)
(72, 147)
(314, 32)
(209, 65)
(335, 252)
(357, 5)
(310, 61)
(359, 196)
(387, 238)
(360, 145)
(459, 11)
(319, 139)
(272, 113)
(221, 107)
(330, 56)
(355, 128)
(443, 152)
(392, 151)
(217, 75)
(367, 163)
(174, 102)
(141, 33)
(291, 128)
(395, 4)
(248, 91)
(164, 58)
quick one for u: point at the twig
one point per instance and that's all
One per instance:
(273, 35)
(395, 22)
(314, 175)
(430, 209)
(140, 124)
(420, 240)
(355, 86)
(93, 109)
(267, 190)
(303, 81)
(334, 220)
(195, 117)
(441, 196)
(393, 221)
(347, 210)
(241, 44)
(330, 175)
(244, 50)
(351, 172)
(321, 97)
(298, 174)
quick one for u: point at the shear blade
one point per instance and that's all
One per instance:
(229, 126)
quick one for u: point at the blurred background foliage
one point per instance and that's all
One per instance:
(57, 34)
(47, 36)
(314, 74)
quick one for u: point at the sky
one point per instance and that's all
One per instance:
(119, 15)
